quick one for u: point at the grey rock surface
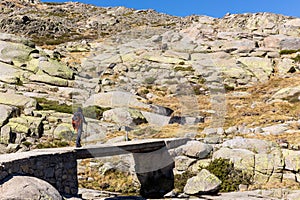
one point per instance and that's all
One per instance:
(28, 188)
(254, 145)
(195, 149)
(203, 183)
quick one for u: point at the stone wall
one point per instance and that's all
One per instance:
(58, 167)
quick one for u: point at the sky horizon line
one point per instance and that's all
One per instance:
(195, 7)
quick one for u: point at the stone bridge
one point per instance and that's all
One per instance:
(58, 166)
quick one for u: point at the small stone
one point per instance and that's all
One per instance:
(231, 130)
(213, 139)
(90, 179)
(243, 187)
(171, 194)
(209, 131)
(182, 195)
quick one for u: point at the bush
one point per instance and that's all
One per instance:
(45, 104)
(182, 68)
(288, 51)
(149, 80)
(297, 58)
(181, 179)
(94, 112)
(231, 178)
(53, 144)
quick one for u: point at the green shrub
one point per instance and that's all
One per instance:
(145, 132)
(231, 178)
(297, 58)
(149, 80)
(143, 92)
(181, 179)
(228, 88)
(27, 144)
(196, 89)
(53, 144)
(288, 51)
(182, 68)
(53, 3)
(45, 104)
(19, 82)
(94, 112)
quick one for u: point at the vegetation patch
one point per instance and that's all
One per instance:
(149, 80)
(27, 144)
(288, 51)
(112, 181)
(231, 178)
(60, 39)
(52, 144)
(19, 82)
(45, 104)
(180, 180)
(228, 87)
(94, 112)
(145, 132)
(53, 3)
(297, 58)
(182, 68)
(223, 169)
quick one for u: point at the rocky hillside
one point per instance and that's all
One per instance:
(151, 75)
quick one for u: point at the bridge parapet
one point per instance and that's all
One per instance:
(58, 166)
(135, 146)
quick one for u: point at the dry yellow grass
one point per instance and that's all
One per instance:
(252, 110)
(112, 180)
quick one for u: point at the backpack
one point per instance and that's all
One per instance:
(76, 120)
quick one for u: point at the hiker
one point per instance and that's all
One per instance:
(77, 122)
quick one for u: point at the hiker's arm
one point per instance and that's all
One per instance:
(84, 121)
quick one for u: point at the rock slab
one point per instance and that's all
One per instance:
(203, 183)
(26, 187)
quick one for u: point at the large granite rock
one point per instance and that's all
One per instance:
(291, 160)
(64, 131)
(196, 149)
(124, 116)
(203, 183)
(261, 68)
(54, 68)
(254, 145)
(25, 187)
(285, 66)
(242, 159)
(42, 77)
(25, 103)
(9, 74)
(5, 113)
(17, 53)
(268, 167)
(156, 119)
(33, 124)
(276, 129)
(116, 99)
(282, 42)
(182, 163)
(291, 94)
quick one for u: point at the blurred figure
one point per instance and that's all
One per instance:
(77, 123)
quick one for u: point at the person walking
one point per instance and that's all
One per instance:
(77, 122)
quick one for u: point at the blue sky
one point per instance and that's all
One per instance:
(214, 8)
